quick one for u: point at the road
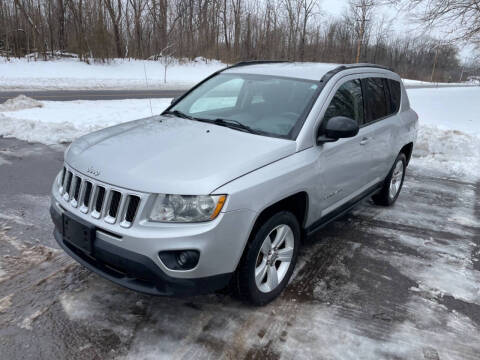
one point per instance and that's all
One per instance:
(380, 283)
(68, 95)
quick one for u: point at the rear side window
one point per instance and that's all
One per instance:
(395, 95)
(377, 99)
(347, 101)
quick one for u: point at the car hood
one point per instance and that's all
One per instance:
(172, 155)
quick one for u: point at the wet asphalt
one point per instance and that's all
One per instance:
(380, 283)
(70, 95)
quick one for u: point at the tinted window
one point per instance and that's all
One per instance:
(395, 95)
(376, 98)
(347, 101)
(270, 105)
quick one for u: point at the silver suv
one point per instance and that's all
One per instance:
(220, 189)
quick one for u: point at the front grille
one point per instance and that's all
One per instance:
(99, 200)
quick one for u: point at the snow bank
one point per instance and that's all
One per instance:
(19, 103)
(449, 151)
(448, 108)
(449, 133)
(418, 83)
(448, 138)
(63, 121)
(72, 74)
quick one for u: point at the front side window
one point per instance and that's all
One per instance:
(347, 101)
(376, 99)
(269, 105)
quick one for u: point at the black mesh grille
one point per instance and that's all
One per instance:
(132, 208)
(114, 204)
(64, 171)
(68, 182)
(88, 192)
(78, 182)
(100, 196)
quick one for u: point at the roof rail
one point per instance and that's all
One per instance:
(257, 62)
(353, 66)
(335, 71)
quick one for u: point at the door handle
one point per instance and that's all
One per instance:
(364, 140)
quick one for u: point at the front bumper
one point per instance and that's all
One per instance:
(135, 271)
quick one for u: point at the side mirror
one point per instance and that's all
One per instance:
(338, 127)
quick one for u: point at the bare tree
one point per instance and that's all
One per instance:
(115, 17)
(228, 30)
(362, 12)
(308, 7)
(461, 18)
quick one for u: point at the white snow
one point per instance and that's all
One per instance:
(63, 121)
(449, 132)
(72, 74)
(448, 138)
(448, 108)
(418, 83)
(19, 103)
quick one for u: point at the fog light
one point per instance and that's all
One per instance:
(187, 259)
(180, 259)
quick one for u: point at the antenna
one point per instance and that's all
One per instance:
(146, 82)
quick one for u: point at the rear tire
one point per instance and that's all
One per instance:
(269, 260)
(393, 183)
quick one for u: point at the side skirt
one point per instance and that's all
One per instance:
(342, 210)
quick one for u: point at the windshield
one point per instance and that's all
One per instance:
(267, 105)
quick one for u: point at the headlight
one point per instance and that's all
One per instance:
(186, 208)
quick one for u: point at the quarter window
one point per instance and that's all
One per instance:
(347, 101)
(395, 95)
(376, 99)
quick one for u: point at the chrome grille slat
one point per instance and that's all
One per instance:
(102, 202)
(66, 186)
(97, 203)
(86, 196)
(75, 190)
(131, 208)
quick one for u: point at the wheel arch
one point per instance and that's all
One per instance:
(407, 150)
(296, 203)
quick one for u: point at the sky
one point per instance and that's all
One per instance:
(404, 21)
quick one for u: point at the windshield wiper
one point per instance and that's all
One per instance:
(234, 124)
(180, 114)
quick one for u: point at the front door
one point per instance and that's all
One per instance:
(343, 166)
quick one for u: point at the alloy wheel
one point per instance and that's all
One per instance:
(274, 258)
(396, 180)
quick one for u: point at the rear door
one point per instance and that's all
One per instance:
(378, 129)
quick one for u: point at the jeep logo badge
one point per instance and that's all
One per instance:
(93, 171)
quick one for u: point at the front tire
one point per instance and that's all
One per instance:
(269, 259)
(393, 183)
